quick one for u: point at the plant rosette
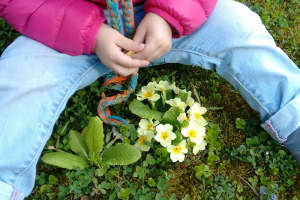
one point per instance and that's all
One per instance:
(171, 117)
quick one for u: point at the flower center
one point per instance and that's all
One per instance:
(164, 135)
(198, 116)
(149, 126)
(192, 133)
(148, 94)
(177, 150)
(142, 140)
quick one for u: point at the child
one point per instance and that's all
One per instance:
(71, 46)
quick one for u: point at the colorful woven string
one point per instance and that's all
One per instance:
(115, 18)
(114, 81)
(128, 17)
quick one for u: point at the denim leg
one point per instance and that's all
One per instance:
(293, 145)
(235, 42)
(35, 85)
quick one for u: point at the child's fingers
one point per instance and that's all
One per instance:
(128, 44)
(123, 71)
(149, 53)
(140, 34)
(129, 62)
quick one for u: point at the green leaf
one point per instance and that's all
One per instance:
(77, 144)
(187, 197)
(212, 137)
(169, 94)
(151, 182)
(52, 180)
(128, 131)
(140, 172)
(183, 96)
(185, 124)
(121, 154)
(143, 111)
(170, 116)
(202, 170)
(64, 160)
(240, 123)
(150, 160)
(94, 138)
(212, 157)
(124, 194)
(178, 138)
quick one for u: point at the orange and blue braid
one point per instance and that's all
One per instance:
(114, 14)
(114, 81)
(127, 8)
(103, 106)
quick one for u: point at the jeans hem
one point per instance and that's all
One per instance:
(8, 192)
(284, 122)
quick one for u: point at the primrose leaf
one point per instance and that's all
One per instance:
(170, 117)
(121, 154)
(183, 96)
(144, 111)
(77, 144)
(64, 160)
(94, 138)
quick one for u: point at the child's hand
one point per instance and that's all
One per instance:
(156, 33)
(109, 45)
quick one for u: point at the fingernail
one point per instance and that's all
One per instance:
(142, 46)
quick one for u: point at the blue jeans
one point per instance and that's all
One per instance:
(36, 83)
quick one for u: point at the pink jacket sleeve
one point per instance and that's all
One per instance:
(69, 26)
(185, 16)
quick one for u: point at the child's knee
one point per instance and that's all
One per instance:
(238, 22)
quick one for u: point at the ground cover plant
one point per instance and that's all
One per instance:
(244, 162)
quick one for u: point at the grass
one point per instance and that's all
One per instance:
(248, 162)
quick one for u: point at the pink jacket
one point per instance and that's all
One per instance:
(71, 26)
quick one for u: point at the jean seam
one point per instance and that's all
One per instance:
(233, 77)
(249, 92)
(53, 121)
(197, 53)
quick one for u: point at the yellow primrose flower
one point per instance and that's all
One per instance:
(195, 113)
(199, 147)
(147, 126)
(163, 86)
(175, 88)
(164, 134)
(177, 103)
(178, 151)
(181, 117)
(141, 142)
(189, 101)
(148, 92)
(194, 131)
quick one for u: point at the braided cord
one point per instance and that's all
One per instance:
(103, 106)
(114, 14)
(114, 81)
(127, 8)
